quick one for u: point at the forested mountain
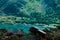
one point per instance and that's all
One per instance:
(42, 11)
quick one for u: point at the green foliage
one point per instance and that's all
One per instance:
(42, 13)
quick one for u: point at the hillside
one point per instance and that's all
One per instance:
(41, 11)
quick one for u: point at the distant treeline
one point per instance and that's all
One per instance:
(14, 19)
